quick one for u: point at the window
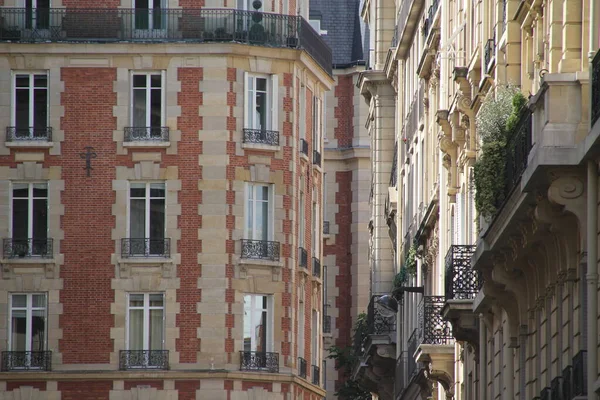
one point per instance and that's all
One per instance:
(301, 220)
(147, 218)
(37, 14)
(303, 112)
(147, 105)
(30, 106)
(261, 102)
(316, 119)
(149, 14)
(27, 330)
(316, 351)
(29, 227)
(258, 335)
(301, 319)
(145, 330)
(259, 217)
(316, 228)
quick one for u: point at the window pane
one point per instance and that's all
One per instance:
(137, 219)
(263, 193)
(250, 217)
(155, 80)
(259, 228)
(38, 330)
(19, 300)
(265, 221)
(137, 190)
(156, 329)
(40, 81)
(139, 81)
(136, 300)
(18, 331)
(261, 84)
(157, 219)
(136, 330)
(40, 108)
(247, 323)
(22, 108)
(156, 300)
(139, 108)
(261, 110)
(20, 190)
(22, 81)
(155, 108)
(20, 219)
(40, 190)
(39, 300)
(157, 190)
(40, 218)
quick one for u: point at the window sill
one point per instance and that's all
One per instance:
(304, 157)
(28, 260)
(260, 146)
(260, 262)
(147, 143)
(29, 144)
(145, 260)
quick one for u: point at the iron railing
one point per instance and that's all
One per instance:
(145, 247)
(260, 136)
(432, 329)
(143, 359)
(580, 374)
(545, 394)
(303, 257)
(567, 383)
(301, 367)
(462, 281)
(428, 23)
(163, 25)
(595, 112)
(316, 158)
(376, 322)
(555, 388)
(316, 375)
(146, 134)
(394, 171)
(316, 267)
(31, 134)
(21, 248)
(413, 344)
(260, 249)
(325, 227)
(489, 52)
(326, 323)
(411, 122)
(304, 147)
(259, 361)
(26, 360)
(518, 147)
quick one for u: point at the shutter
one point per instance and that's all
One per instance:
(274, 102)
(246, 100)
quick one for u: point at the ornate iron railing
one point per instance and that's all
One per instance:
(377, 323)
(21, 248)
(462, 281)
(303, 257)
(326, 323)
(301, 367)
(26, 360)
(325, 227)
(567, 381)
(545, 394)
(432, 329)
(413, 343)
(316, 375)
(430, 17)
(489, 52)
(145, 247)
(580, 373)
(163, 25)
(146, 133)
(260, 249)
(316, 158)
(304, 147)
(260, 136)
(14, 134)
(316, 267)
(411, 122)
(555, 388)
(259, 361)
(143, 359)
(595, 112)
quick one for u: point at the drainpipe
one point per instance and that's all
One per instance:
(591, 276)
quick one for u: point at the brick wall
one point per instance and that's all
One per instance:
(344, 112)
(10, 386)
(85, 390)
(186, 390)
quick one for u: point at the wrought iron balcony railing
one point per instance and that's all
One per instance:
(316, 267)
(146, 134)
(580, 374)
(567, 383)
(555, 388)
(26, 360)
(304, 147)
(30, 134)
(411, 122)
(22, 248)
(144, 247)
(316, 158)
(102, 25)
(259, 361)
(545, 394)
(316, 375)
(378, 324)
(595, 112)
(462, 282)
(489, 53)
(326, 323)
(143, 359)
(430, 18)
(260, 249)
(260, 136)
(432, 329)
(303, 257)
(301, 367)
(325, 227)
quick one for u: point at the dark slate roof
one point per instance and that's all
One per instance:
(347, 35)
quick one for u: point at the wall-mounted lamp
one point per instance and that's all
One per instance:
(388, 304)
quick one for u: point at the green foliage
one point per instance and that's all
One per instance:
(410, 263)
(401, 277)
(487, 173)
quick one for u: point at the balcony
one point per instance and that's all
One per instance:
(143, 359)
(25, 248)
(326, 323)
(163, 25)
(259, 136)
(429, 21)
(412, 120)
(304, 147)
(260, 250)
(316, 375)
(30, 137)
(301, 367)
(579, 378)
(144, 247)
(316, 158)
(489, 54)
(302, 257)
(259, 361)
(316, 271)
(595, 113)
(146, 134)
(407, 22)
(26, 361)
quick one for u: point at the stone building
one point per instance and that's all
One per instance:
(495, 297)
(161, 190)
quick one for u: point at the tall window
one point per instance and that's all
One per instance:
(27, 328)
(30, 105)
(147, 106)
(258, 335)
(260, 101)
(37, 14)
(316, 350)
(259, 212)
(316, 128)
(145, 327)
(301, 318)
(29, 219)
(315, 230)
(147, 218)
(149, 14)
(301, 221)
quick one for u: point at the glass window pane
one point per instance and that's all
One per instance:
(261, 110)
(265, 220)
(261, 84)
(136, 330)
(156, 300)
(137, 190)
(139, 81)
(137, 219)
(40, 108)
(157, 190)
(155, 108)
(259, 228)
(136, 300)
(156, 329)
(263, 193)
(247, 323)
(19, 300)
(139, 108)
(40, 81)
(38, 330)
(22, 109)
(22, 81)
(39, 300)
(157, 219)
(20, 219)
(20, 190)
(155, 80)
(40, 190)
(18, 330)
(40, 219)
(250, 218)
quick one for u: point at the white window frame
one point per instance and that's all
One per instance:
(149, 89)
(301, 219)
(147, 200)
(315, 325)
(151, 9)
(251, 187)
(272, 100)
(29, 315)
(146, 322)
(30, 199)
(303, 112)
(13, 108)
(270, 319)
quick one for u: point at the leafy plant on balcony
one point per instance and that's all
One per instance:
(401, 278)
(496, 120)
(410, 262)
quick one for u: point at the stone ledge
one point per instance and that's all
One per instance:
(30, 144)
(144, 144)
(260, 146)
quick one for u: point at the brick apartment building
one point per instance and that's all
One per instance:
(161, 199)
